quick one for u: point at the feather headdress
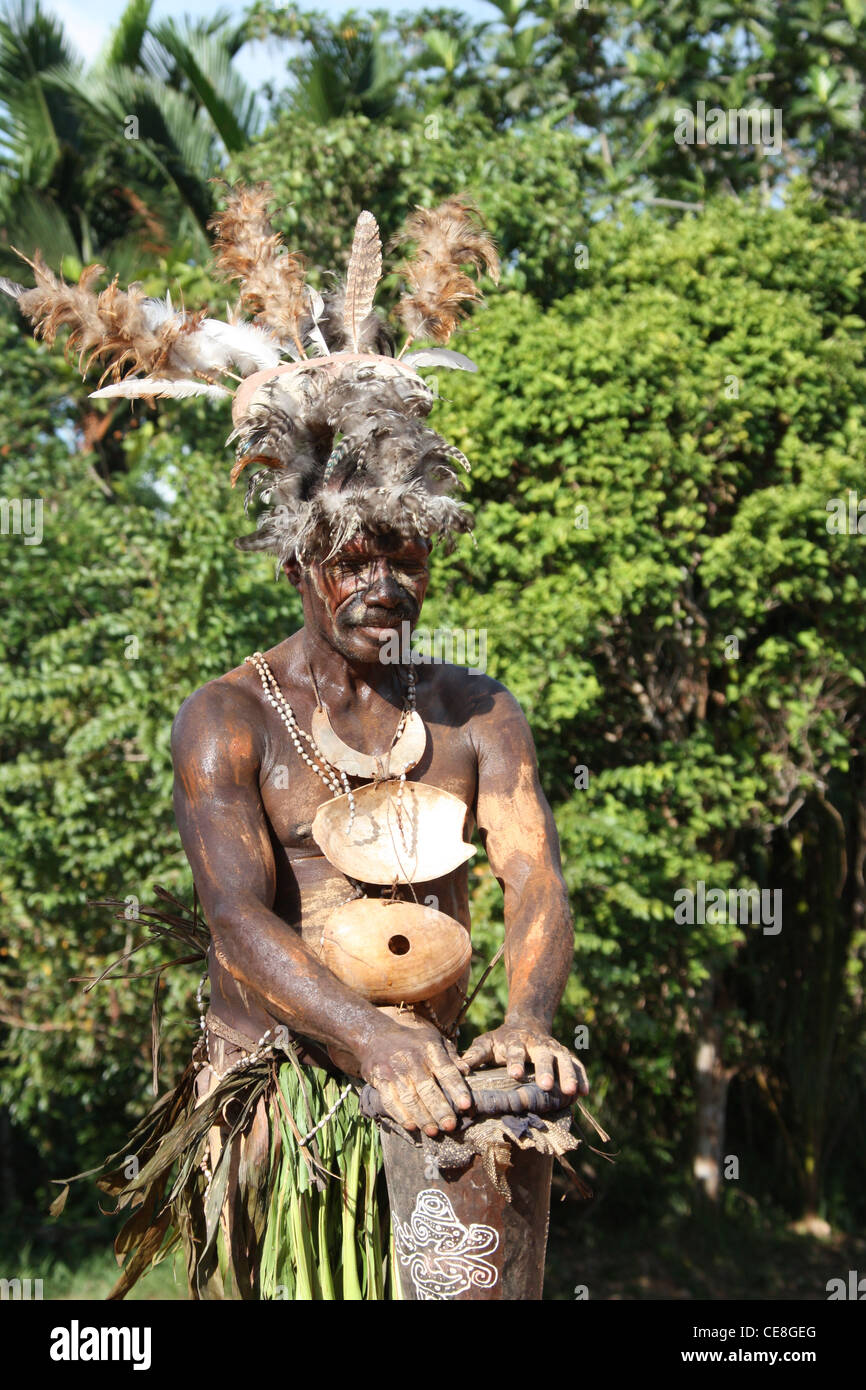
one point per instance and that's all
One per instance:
(327, 417)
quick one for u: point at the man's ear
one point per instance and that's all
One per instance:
(293, 572)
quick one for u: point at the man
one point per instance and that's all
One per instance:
(237, 1160)
(246, 829)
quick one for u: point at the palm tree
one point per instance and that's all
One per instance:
(88, 153)
(349, 69)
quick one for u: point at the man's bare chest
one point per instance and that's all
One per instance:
(292, 792)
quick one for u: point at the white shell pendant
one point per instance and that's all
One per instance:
(425, 843)
(402, 757)
(394, 952)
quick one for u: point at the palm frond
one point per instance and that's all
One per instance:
(209, 78)
(127, 37)
(178, 140)
(31, 220)
(33, 48)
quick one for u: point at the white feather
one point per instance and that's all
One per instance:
(151, 386)
(316, 306)
(216, 346)
(440, 357)
(317, 338)
(156, 311)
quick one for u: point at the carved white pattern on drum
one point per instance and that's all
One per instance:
(444, 1257)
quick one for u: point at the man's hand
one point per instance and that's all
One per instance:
(522, 1038)
(419, 1076)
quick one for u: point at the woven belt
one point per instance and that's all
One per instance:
(224, 1030)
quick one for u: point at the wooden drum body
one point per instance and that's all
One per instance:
(457, 1234)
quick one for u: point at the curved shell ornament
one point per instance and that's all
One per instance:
(402, 757)
(394, 952)
(424, 842)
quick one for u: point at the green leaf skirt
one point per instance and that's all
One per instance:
(228, 1168)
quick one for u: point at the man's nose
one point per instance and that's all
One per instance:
(384, 589)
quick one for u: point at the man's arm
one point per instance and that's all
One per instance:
(519, 835)
(223, 826)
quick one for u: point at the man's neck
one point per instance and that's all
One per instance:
(341, 680)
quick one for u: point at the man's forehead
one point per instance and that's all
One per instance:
(391, 545)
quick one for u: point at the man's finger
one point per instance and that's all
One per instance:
(579, 1072)
(461, 1065)
(415, 1105)
(515, 1059)
(479, 1051)
(568, 1076)
(390, 1099)
(437, 1104)
(542, 1060)
(450, 1080)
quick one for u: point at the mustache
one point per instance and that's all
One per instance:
(362, 615)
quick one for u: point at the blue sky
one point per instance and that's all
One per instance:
(87, 23)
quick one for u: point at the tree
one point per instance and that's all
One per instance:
(92, 156)
(622, 75)
(656, 454)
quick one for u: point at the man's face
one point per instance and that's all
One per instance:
(365, 592)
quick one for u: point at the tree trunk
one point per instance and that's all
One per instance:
(711, 1092)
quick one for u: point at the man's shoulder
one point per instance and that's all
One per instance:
(471, 694)
(228, 704)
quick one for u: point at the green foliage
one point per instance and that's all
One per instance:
(700, 395)
(614, 75)
(527, 183)
(90, 155)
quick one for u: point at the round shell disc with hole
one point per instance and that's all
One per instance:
(394, 952)
(423, 843)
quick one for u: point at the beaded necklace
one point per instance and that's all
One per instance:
(319, 764)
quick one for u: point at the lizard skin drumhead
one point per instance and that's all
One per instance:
(423, 843)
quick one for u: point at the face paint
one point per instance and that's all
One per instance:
(360, 596)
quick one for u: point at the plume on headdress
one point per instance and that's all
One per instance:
(179, 353)
(362, 277)
(112, 324)
(446, 238)
(248, 249)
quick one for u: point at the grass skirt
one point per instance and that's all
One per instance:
(218, 1168)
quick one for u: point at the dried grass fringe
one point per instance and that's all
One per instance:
(257, 1215)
